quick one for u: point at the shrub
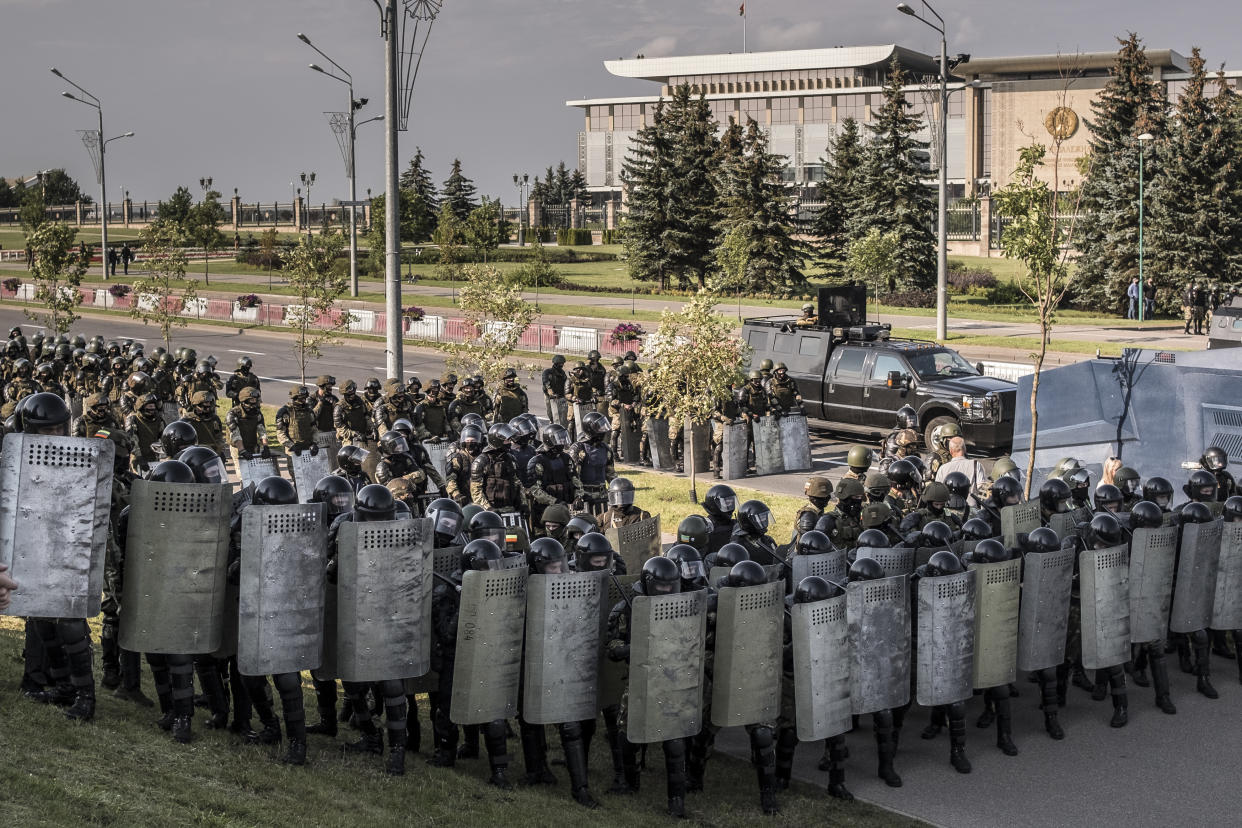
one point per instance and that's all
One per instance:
(119, 291)
(1006, 293)
(257, 258)
(612, 236)
(970, 279)
(626, 332)
(12, 284)
(568, 237)
(413, 313)
(909, 299)
(248, 300)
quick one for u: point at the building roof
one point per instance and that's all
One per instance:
(841, 57)
(1081, 61)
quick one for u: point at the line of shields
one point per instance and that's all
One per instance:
(778, 444)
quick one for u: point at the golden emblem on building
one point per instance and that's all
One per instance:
(1061, 123)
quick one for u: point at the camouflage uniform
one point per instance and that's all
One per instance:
(457, 480)
(352, 421)
(207, 425)
(510, 401)
(247, 431)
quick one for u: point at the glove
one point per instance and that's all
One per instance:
(266, 453)
(296, 452)
(233, 574)
(619, 653)
(579, 504)
(330, 572)
(314, 449)
(245, 455)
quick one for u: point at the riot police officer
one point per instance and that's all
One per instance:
(719, 503)
(202, 415)
(581, 396)
(621, 509)
(460, 459)
(242, 377)
(783, 390)
(525, 427)
(494, 482)
(393, 406)
(594, 460)
(295, 424)
(1215, 460)
(510, 400)
(351, 418)
(468, 401)
(728, 412)
(751, 531)
(247, 431)
(144, 425)
(553, 473)
(846, 524)
(554, 380)
(625, 404)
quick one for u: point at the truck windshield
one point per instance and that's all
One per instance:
(932, 364)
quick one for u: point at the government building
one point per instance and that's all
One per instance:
(997, 105)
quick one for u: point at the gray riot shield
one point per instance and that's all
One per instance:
(831, 566)
(795, 443)
(821, 662)
(895, 561)
(176, 554)
(746, 679)
(996, 622)
(54, 522)
(1020, 519)
(438, 453)
(631, 436)
(1104, 601)
(768, 458)
(561, 670)
(1194, 590)
(284, 550)
(446, 560)
(665, 690)
(697, 445)
(488, 668)
(170, 412)
(878, 613)
(946, 647)
(383, 590)
(635, 543)
(1044, 613)
(308, 470)
(579, 410)
(659, 445)
(1227, 600)
(733, 453)
(612, 673)
(1152, 555)
(1065, 524)
(326, 440)
(558, 411)
(256, 468)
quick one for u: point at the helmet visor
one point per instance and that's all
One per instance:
(693, 571)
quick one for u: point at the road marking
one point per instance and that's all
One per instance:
(251, 353)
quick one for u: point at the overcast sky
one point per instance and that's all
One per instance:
(222, 88)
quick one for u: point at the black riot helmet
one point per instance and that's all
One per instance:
(401, 510)
(720, 502)
(620, 493)
(1106, 530)
(473, 419)
(745, 574)
(814, 543)
(990, 550)
(471, 440)
(578, 526)
(481, 555)
(907, 417)
(1054, 495)
(866, 569)
(375, 502)
(727, 555)
(976, 529)
(813, 589)
(403, 427)
(554, 437)
(920, 467)
(942, 563)
(1214, 459)
(547, 556)
(1195, 512)
(1128, 481)
(958, 485)
(177, 437)
(1233, 509)
(1146, 515)
(171, 471)
(446, 519)
(904, 474)
(873, 539)
(689, 564)
(1006, 491)
(660, 576)
(935, 534)
(523, 430)
(1042, 540)
(755, 517)
(1159, 491)
(1079, 480)
(392, 443)
(1108, 497)
(693, 530)
(593, 553)
(274, 491)
(596, 425)
(205, 463)
(335, 493)
(499, 435)
(44, 413)
(349, 458)
(488, 525)
(1201, 486)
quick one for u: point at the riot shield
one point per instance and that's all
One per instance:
(1152, 555)
(946, 645)
(383, 590)
(612, 673)
(579, 410)
(280, 615)
(1064, 524)
(831, 566)
(878, 613)
(326, 440)
(54, 522)
(894, 561)
(1104, 601)
(1194, 589)
(795, 443)
(256, 468)
(438, 452)
(561, 670)
(746, 679)
(635, 543)
(821, 662)
(996, 622)
(170, 412)
(558, 411)
(665, 689)
(631, 436)
(697, 446)
(659, 445)
(1227, 601)
(488, 667)
(445, 560)
(768, 459)
(1020, 519)
(1044, 613)
(308, 469)
(176, 554)
(733, 451)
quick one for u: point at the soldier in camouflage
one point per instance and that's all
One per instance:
(582, 394)
(727, 412)
(247, 431)
(784, 389)
(848, 527)
(202, 415)
(394, 405)
(623, 396)
(460, 459)
(818, 491)
(295, 425)
(351, 418)
(242, 377)
(469, 401)
(510, 400)
(431, 420)
(554, 380)
(144, 425)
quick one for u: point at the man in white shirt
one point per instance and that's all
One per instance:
(958, 463)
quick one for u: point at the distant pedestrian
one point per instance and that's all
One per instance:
(1133, 293)
(113, 259)
(127, 256)
(1149, 302)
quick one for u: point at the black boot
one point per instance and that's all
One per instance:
(988, 716)
(836, 769)
(217, 697)
(1184, 661)
(631, 779)
(535, 755)
(395, 766)
(181, 729)
(1121, 710)
(617, 748)
(1078, 678)
(1160, 678)
(78, 652)
(296, 754)
(469, 747)
(1004, 728)
(131, 680)
(786, 745)
(696, 761)
(269, 733)
(763, 757)
(497, 754)
(675, 774)
(886, 750)
(371, 742)
(1099, 692)
(1203, 665)
(325, 703)
(110, 657)
(574, 748)
(413, 727)
(937, 724)
(444, 734)
(957, 745)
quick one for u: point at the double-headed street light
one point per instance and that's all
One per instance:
(1142, 139)
(942, 253)
(308, 181)
(521, 182)
(96, 145)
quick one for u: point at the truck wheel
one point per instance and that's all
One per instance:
(936, 423)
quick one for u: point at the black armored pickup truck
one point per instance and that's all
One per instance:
(854, 376)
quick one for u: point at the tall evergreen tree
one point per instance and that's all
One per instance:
(459, 192)
(759, 208)
(578, 186)
(1228, 107)
(643, 173)
(424, 203)
(839, 190)
(1107, 235)
(892, 196)
(7, 197)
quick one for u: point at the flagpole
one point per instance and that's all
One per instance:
(742, 10)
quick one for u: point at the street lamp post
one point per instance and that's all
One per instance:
(1142, 139)
(204, 184)
(308, 181)
(96, 142)
(521, 182)
(942, 236)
